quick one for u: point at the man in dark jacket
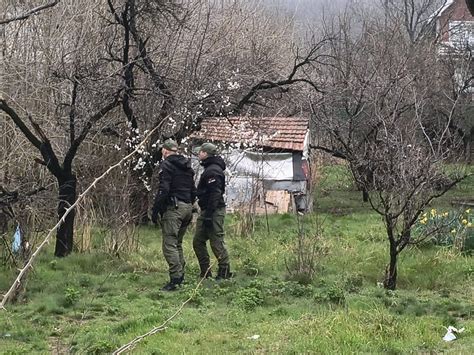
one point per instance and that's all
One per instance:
(173, 203)
(210, 223)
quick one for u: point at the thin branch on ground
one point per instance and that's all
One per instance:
(131, 345)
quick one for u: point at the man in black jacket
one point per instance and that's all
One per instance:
(173, 202)
(210, 223)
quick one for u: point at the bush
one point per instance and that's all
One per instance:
(332, 294)
(353, 283)
(100, 347)
(305, 256)
(290, 288)
(71, 296)
(248, 298)
(250, 265)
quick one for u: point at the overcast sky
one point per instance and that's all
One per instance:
(313, 9)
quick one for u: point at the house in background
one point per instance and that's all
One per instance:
(455, 32)
(267, 161)
(454, 27)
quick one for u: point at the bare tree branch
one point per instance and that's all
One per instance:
(29, 13)
(310, 58)
(5, 107)
(134, 342)
(85, 130)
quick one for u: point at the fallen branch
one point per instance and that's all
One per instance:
(163, 326)
(29, 263)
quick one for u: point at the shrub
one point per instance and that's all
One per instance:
(250, 265)
(100, 347)
(289, 288)
(332, 294)
(198, 298)
(71, 296)
(353, 283)
(305, 256)
(248, 298)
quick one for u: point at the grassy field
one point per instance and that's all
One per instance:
(95, 302)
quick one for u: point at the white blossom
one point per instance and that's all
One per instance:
(233, 85)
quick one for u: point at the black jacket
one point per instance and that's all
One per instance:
(211, 186)
(176, 179)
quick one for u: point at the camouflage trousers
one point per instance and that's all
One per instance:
(214, 232)
(174, 223)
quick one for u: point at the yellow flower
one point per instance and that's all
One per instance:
(453, 231)
(433, 212)
(423, 221)
(424, 215)
(445, 214)
(469, 224)
(464, 221)
(468, 211)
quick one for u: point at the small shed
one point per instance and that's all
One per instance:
(267, 161)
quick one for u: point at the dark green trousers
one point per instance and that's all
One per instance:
(215, 234)
(174, 223)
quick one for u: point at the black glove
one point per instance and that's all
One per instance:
(156, 218)
(207, 222)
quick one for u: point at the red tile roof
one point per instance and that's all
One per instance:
(273, 132)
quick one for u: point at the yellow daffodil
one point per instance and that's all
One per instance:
(445, 214)
(469, 224)
(433, 212)
(468, 211)
(453, 231)
(464, 221)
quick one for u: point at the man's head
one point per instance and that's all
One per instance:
(207, 150)
(168, 148)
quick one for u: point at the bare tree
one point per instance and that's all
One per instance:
(417, 16)
(68, 89)
(385, 112)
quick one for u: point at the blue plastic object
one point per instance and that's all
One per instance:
(16, 240)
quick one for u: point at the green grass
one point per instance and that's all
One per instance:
(95, 302)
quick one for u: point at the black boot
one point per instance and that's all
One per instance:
(205, 271)
(223, 273)
(173, 284)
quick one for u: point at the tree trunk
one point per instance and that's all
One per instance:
(365, 195)
(470, 6)
(138, 200)
(65, 232)
(390, 281)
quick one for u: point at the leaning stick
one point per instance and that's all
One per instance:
(33, 256)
